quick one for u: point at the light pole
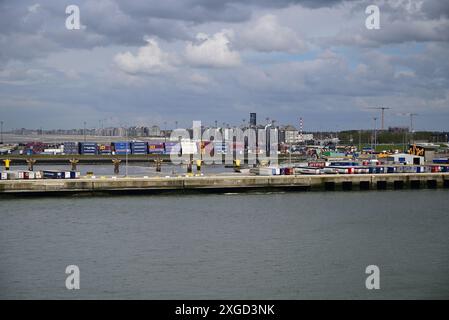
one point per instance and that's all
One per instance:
(375, 133)
(126, 155)
(1, 132)
(412, 130)
(84, 131)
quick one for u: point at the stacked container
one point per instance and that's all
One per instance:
(156, 148)
(71, 147)
(220, 147)
(121, 147)
(172, 147)
(88, 148)
(34, 148)
(104, 149)
(139, 147)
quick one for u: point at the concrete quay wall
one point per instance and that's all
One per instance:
(224, 183)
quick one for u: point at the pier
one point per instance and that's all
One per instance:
(224, 183)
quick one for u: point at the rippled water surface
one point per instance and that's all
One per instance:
(227, 246)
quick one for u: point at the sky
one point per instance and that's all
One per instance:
(150, 62)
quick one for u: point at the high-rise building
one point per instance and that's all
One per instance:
(252, 119)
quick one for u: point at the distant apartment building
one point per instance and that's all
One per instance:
(154, 131)
(119, 132)
(290, 135)
(252, 119)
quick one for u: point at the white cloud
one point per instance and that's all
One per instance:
(34, 8)
(149, 59)
(267, 35)
(212, 51)
(199, 79)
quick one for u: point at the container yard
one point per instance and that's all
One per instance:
(314, 167)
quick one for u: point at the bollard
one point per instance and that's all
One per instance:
(237, 165)
(158, 164)
(7, 162)
(73, 162)
(198, 165)
(189, 167)
(116, 163)
(31, 163)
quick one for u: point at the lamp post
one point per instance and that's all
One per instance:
(126, 156)
(1, 132)
(84, 131)
(375, 132)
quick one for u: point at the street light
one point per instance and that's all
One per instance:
(126, 157)
(84, 131)
(1, 132)
(375, 132)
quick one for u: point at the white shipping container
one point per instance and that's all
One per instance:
(38, 175)
(329, 170)
(276, 170)
(267, 171)
(31, 175)
(3, 176)
(189, 148)
(12, 175)
(307, 170)
(67, 175)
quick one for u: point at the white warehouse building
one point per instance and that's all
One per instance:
(406, 158)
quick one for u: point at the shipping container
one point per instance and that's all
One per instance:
(88, 148)
(342, 170)
(139, 147)
(263, 171)
(441, 160)
(317, 164)
(189, 148)
(172, 147)
(49, 174)
(121, 148)
(14, 175)
(308, 170)
(361, 170)
(329, 170)
(391, 169)
(156, 148)
(70, 147)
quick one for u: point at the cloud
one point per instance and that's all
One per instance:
(401, 21)
(403, 65)
(395, 32)
(150, 59)
(212, 51)
(267, 35)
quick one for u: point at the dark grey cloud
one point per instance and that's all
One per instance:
(400, 22)
(126, 22)
(436, 9)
